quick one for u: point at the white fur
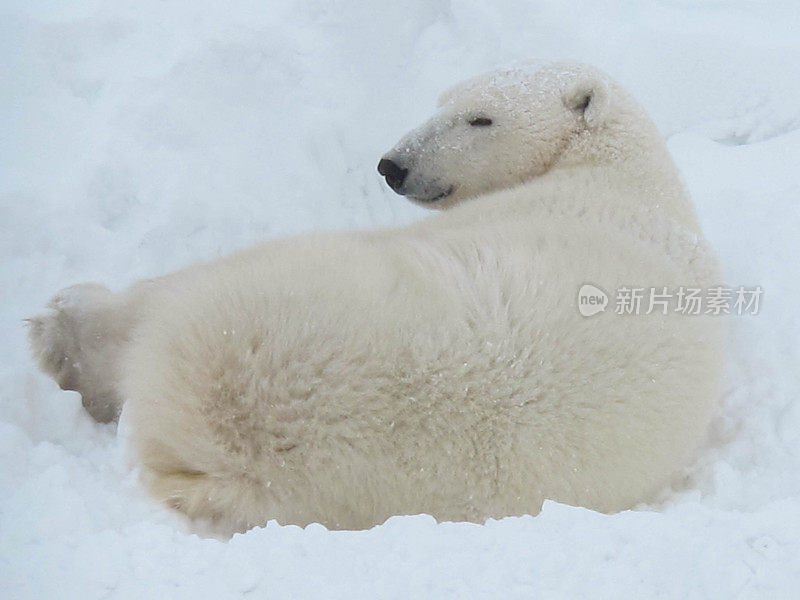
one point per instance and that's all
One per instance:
(442, 368)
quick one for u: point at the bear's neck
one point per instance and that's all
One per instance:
(635, 173)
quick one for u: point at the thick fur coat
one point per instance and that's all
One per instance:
(439, 368)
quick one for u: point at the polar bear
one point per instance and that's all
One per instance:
(442, 367)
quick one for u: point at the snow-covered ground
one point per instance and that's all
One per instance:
(137, 137)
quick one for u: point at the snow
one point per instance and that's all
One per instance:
(139, 137)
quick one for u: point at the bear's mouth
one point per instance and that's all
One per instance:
(436, 198)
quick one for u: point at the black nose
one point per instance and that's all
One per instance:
(395, 175)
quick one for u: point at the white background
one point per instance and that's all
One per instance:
(137, 137)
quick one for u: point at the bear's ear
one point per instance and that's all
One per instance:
(589, 99)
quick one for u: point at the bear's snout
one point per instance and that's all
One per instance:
(394, 173)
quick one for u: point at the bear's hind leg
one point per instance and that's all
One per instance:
(79, 342)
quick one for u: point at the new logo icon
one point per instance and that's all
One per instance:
(591, 300)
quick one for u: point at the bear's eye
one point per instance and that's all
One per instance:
(480, 122)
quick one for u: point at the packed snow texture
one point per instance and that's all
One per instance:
(136, 138)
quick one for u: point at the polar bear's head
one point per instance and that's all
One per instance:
(504, 128)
